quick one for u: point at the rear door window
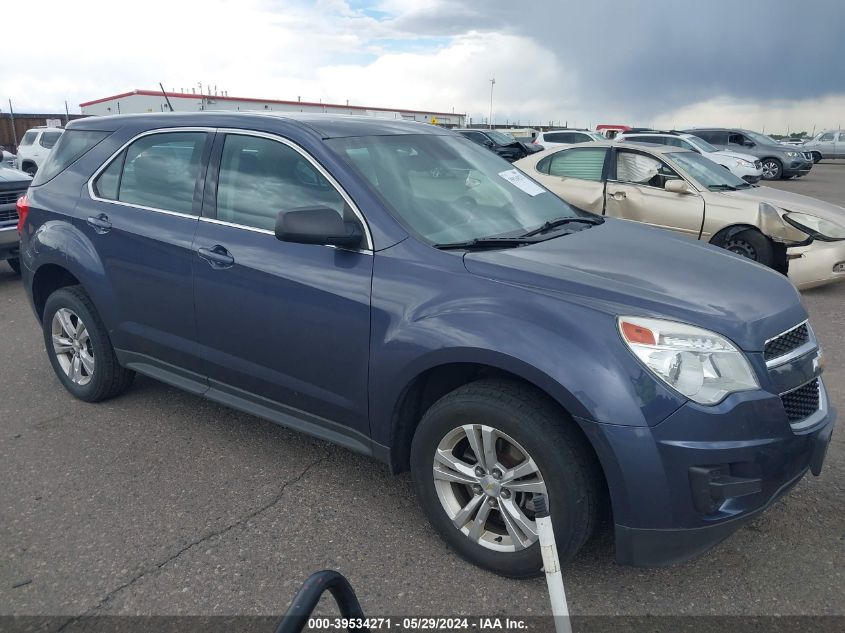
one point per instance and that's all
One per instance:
(159, 171)
(558, 137)
(583, 164)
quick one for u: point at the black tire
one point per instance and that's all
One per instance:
(30, 169)
(108, 378)
(568, 465)
(752, 244)
(773, 167)
(817, 157)
(15, 264)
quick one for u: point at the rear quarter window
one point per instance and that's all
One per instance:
(29, 137)
(71, 145)
(48, 139)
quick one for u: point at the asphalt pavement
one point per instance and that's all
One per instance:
(161, 503)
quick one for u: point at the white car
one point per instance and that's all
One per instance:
(553, 138)
(746, 166)
(35, 146)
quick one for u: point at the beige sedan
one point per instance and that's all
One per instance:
(672, 188)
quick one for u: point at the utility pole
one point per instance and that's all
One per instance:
(67, 114)
(490, 120)
(12, 118)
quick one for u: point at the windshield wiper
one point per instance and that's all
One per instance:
(486, 242)
(553, 224)
(721, 188)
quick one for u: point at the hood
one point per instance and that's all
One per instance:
(623, 268)
(7, 174)
(740, 155)
(789, 201)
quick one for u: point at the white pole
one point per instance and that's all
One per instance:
(551, 566)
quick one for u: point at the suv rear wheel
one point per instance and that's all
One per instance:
(79, 347)
(480, 456)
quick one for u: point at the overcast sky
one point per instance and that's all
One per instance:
(754, 63)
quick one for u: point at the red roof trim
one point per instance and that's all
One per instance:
(186, 95)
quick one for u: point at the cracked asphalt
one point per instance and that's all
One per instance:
(160, 503)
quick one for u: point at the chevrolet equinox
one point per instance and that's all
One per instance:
(401, 291)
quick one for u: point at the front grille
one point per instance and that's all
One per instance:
(758, 164)
(8, 216)
(11, 197)
(802, 402)
(786, 342)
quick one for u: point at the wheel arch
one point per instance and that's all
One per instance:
(431, 384)
(781, 263)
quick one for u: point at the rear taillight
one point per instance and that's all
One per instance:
(23, 211)
(535, 142)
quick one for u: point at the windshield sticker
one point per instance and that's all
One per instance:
(521, 181)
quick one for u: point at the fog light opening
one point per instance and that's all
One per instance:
(839, 268)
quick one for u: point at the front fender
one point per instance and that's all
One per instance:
(571, 351)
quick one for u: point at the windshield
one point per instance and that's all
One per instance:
(705, 172)
(447, 189)
(500, 138)
(762, 139)
(700, 144)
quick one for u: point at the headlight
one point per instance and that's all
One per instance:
(702, 365)
(816, 227)
(742, 163)
(793, 154)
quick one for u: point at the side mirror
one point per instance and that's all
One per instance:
(317, 225)
(676, 185)
(748, 143)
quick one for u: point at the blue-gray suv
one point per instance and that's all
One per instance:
(401, 291)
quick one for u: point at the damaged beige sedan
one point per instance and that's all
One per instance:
(672, 188)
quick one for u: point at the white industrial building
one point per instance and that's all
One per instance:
(140, 101)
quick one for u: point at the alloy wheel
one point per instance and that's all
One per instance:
(72, 346)
(770, 170)
(486, 482)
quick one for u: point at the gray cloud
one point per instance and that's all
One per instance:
(651, 56)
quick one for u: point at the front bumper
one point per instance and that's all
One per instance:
(797, 166)
(818, 264)
(746, 448)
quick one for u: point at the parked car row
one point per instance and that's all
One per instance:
(746, 166)
(401, 291)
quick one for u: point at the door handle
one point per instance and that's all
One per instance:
(100, 223)
(217, 256)
(619, 195)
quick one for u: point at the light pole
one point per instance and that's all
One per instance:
(490, 120)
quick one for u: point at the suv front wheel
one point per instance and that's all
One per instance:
(772, 169)
(79, 347)
(481, 455)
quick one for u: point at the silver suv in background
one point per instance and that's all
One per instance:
(779, 160)
(566, 137)
(827, 144)
(746, 166)
(35, 146)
